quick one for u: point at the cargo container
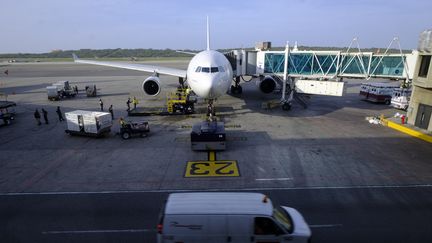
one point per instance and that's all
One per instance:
(88, 123)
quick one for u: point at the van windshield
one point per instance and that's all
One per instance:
(283, 219)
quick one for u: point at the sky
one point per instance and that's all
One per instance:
(29, 26)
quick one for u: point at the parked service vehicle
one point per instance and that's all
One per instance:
(400, 98)
(91, 90)
(378, 92)
(134, 128)
(53, 92)
(88, 123)
(7, 111)
(229, 217)
(60, 90)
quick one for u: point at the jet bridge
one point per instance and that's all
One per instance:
(321, 72)
(335, 64)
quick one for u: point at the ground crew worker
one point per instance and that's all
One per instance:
(135, 102)
(122, 122)
(187, 94)
(37, 117)
(101, 104)
(59, 113)
(128, 102)
(45, 115)
(110, 109)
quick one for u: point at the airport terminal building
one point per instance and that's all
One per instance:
(420, 109)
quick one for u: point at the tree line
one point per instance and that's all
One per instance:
(101, 53)
(142, 53)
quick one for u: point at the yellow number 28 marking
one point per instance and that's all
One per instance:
(218, 168)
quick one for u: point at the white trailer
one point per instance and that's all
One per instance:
(378, 92)
(89, 123)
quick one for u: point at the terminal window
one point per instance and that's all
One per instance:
(424, 66)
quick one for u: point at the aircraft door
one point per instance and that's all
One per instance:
(424, 114)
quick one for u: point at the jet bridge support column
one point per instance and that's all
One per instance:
(286, 103)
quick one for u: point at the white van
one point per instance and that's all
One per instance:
(400, 98)
(228, 217)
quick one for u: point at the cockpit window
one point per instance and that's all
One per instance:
(209, 69)
(221, 69)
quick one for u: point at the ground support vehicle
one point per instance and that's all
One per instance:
(208, 135)
(129, 129)
(7, 111)
(177, 103)
(400, 98)
(60, 90)
(378, 92)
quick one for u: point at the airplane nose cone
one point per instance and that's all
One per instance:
(206, 88)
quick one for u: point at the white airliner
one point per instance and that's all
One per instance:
(209, 73)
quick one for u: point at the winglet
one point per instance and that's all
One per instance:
(75, 57)
(208, 34)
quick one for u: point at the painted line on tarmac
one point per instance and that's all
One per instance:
(218, 190)
(212, 168)
(97, 231)
(211, 155)
(325, 225)
(274, 179)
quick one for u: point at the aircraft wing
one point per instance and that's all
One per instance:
(138, 67)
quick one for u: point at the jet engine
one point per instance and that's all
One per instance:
(266, 84)
(151, 86)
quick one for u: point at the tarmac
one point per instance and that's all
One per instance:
(352, 181)
(329, 144)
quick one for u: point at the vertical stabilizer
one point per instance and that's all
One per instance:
(208, 34)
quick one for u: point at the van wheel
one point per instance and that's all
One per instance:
(125, 135)
(387, 102)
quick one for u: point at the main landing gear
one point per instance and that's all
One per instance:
(236, 89)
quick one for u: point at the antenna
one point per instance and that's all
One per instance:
(208, 34)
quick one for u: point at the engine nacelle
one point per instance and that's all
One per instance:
(151, 86)
(266, 84)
